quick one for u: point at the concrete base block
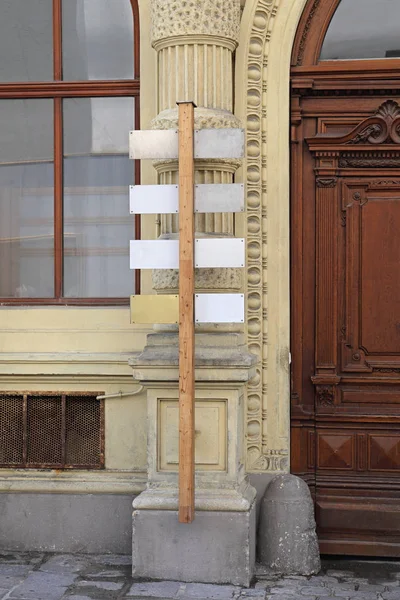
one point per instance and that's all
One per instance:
(218, 547)
(84, 523)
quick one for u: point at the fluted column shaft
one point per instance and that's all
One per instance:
(195, 41)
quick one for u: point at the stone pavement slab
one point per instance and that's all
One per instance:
(42, 586)
(203, 590)
(156, 589)
(38, 576)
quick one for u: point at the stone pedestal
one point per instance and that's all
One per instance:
(219, 546)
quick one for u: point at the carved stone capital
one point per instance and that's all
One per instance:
(204, 118)
(222, 165)
(172, 18)
(212, 280)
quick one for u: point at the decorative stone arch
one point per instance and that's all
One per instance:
(268, 30)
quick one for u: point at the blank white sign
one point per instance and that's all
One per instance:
(208, 198)
(219, 308)
(153, 144)
(208, 143)
(219, 197)
(154, 254)
(219, 252)
(153, 199)
(209, 253)
(219, 143)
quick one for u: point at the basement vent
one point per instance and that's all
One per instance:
(45, 430)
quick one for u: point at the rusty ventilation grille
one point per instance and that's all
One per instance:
(44, 430)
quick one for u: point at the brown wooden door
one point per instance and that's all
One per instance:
(346, 317)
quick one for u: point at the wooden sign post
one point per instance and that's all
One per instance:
(186, 313)
(199, 253)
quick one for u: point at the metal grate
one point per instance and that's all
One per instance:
(82, 421)
(11, 430)
(45, 430)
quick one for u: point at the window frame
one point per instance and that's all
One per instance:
(311, 32)
(57, 90)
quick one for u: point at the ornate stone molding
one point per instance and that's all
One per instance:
(212, 280)
(259, 456)
(190, 17)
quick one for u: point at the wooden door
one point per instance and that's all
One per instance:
(345, 223)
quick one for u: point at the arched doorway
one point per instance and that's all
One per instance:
(345, 259)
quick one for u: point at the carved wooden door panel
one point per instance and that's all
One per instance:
(346, 366)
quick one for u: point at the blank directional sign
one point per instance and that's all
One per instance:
(219, 197)
(219, 252)
(209, 253)
(208, 198)
(219, 308)
(219, 143)
(208, 143)
(153, 144)
(209, 308)
(154, 254)
(153, 199)
(155, 309)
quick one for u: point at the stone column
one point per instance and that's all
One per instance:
(195, 42)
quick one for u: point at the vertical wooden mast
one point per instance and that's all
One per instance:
(186, 312)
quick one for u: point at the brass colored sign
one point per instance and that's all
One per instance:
(154, 309)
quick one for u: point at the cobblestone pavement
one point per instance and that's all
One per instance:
(35, 576)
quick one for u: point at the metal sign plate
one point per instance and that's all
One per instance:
(153, 199)
(209, 253)
(219, 308)
(219, 252)
(219, 197)
(154, 254)
(209, 308)
(208, 143)
(219, 143)
(208, 198)
(153, 144)
(154, 309)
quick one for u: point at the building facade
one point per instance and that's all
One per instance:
(320, 145)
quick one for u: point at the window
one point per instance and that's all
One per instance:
(69, 88)
(362, 29)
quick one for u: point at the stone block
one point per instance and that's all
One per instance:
(84, 523)
(287, 541)
(218, 547)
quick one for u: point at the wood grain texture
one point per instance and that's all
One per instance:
(345, 298)
(186, 313)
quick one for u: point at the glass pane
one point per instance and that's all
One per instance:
(26, 199)
(363, 29)
(97, 175)
(26, 40)
(97, 39)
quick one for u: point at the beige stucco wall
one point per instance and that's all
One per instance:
(69, 348)
(86, 349)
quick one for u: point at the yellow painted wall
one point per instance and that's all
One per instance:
(86, 349)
